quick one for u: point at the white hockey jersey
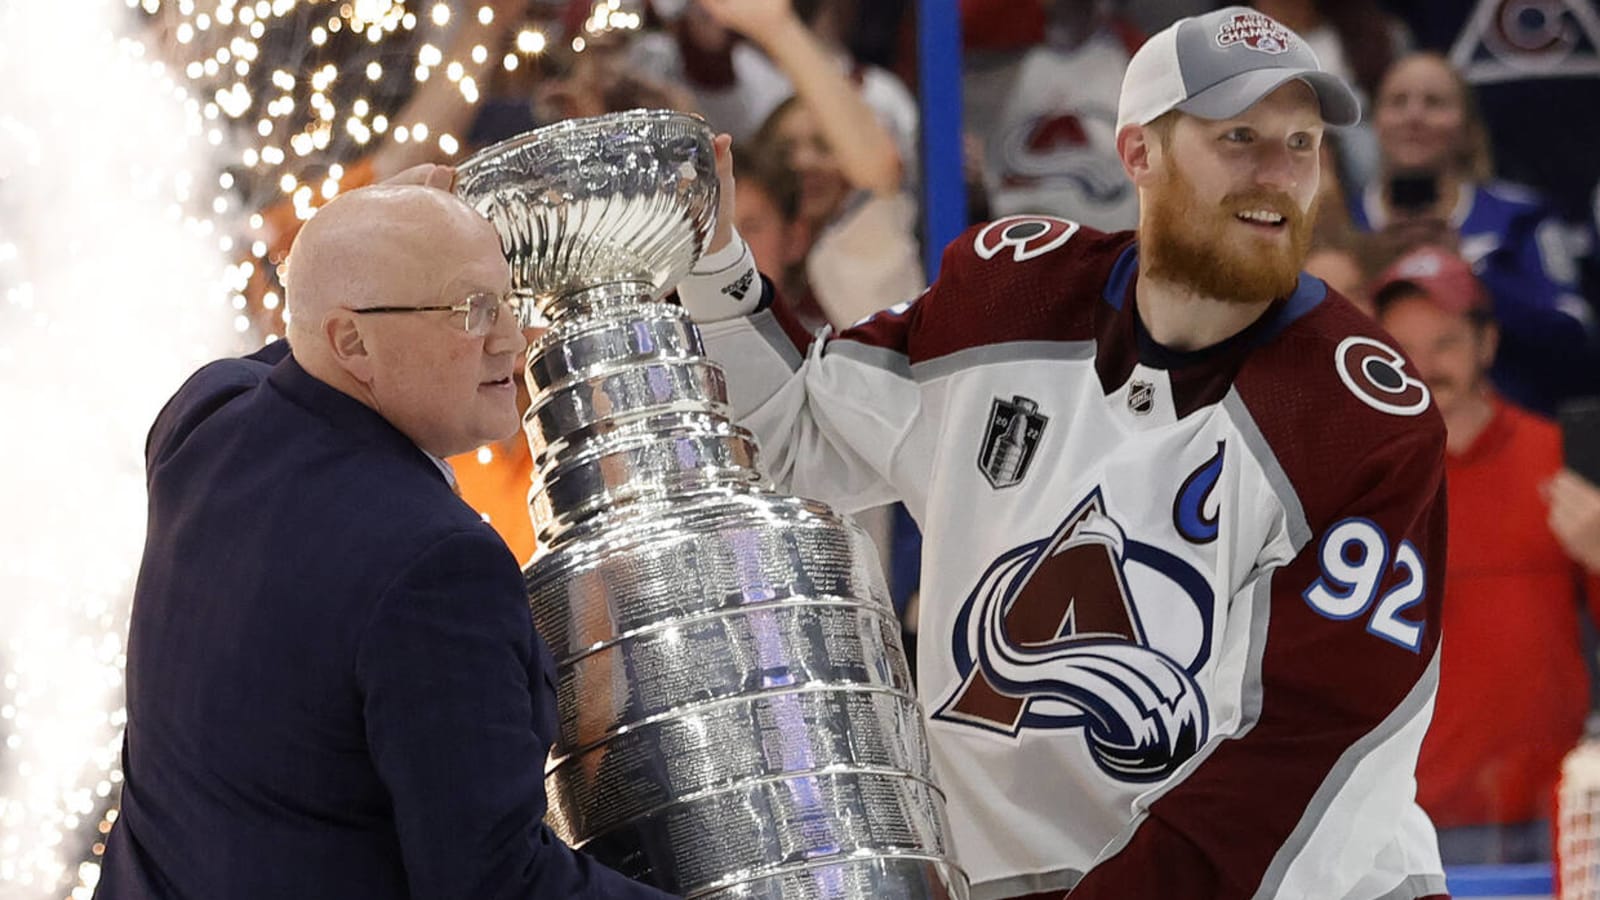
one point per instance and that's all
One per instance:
(1179, 625)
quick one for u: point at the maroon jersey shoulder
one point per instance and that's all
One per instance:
(1020, 278)
(1341, 406)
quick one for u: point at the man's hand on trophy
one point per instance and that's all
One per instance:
(724, 282)
(427, 174)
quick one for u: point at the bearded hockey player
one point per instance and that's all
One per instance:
(1183, 508)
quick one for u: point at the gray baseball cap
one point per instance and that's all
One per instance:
(1220, 64)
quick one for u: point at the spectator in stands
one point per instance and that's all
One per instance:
(1491, 757)
(857, 220)
(767, 215)
(738, 78)
(1046, 113)
(1341, 266)
(1534, 77)
(1435, 187)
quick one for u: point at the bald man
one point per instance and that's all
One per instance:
(334, 687)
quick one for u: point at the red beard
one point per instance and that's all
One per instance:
(1199, 248)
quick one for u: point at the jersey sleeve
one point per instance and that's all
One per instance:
(1306, 795)
(833, 413)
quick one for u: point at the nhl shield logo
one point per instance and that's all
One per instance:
(1141, 397)
(1015, 428)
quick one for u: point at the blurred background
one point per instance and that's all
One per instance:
(158, 156)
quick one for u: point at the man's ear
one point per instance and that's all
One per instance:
(342, 330)
(1138, 150)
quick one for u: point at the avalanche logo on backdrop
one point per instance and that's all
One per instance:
(1256, 31)
(1027, 236)
(1052, 639)
(1516, 40)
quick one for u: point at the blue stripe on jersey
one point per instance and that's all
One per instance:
(1127, 265)
(1307, 294)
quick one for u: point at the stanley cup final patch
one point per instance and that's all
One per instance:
(1015, 428)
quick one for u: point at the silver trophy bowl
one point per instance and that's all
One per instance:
(736, 713)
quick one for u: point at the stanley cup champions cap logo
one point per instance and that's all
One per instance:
(1256, 31)
(1217, 65)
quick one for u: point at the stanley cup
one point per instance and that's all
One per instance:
(736, 713)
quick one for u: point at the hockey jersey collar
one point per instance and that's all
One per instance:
(1307, 294)
(1198, 378)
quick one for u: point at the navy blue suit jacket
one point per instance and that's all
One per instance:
(334, 686)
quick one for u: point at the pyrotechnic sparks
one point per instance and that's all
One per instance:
(113, 274)
(146, 149)
(305, 90)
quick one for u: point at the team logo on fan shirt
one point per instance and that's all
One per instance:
(1376, 374)
(1256, 31)
(1015, 428)
(1052, 638)
(1027, 236)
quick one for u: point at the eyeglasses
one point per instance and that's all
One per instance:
(482, 309)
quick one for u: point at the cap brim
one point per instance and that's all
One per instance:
(1232, 96)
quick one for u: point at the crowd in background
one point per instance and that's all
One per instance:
(1461, 213)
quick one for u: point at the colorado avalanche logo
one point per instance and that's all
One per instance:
(1027, 236)
(1075, 149)
(1376, 374)
(1256, 31)
(1051, 638)
(1511, 40)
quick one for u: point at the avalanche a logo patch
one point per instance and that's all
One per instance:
(1027, 236)
(1256, 31)
(1052, 638)
(1376, 374)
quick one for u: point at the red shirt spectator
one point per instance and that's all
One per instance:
(1513, 685)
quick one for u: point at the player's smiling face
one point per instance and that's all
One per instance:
(1261, 168)
(1228, 204)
